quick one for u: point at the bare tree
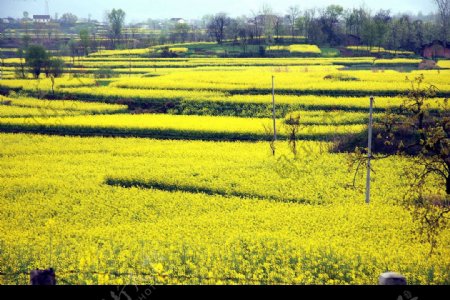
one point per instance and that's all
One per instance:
(268, 129)
(256, 26)
(243, 33)
(444, 17)
(420, 128)
(305, 21)
(267, 19)
(277, 26)
(20, 69)
(421, 132)
(233, 30)
(216, 26)
(292, 125)
(292, 14)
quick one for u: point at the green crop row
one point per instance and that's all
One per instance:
(170, 127)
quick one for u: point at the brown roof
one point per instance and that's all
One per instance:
(436, 42)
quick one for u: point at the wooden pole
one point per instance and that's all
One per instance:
(273, 110)
(369, 151)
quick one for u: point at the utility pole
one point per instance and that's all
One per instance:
(369, 151)
(273, 110)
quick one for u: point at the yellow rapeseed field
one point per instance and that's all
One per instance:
(164, 126)
(164, 174)
(57, 211)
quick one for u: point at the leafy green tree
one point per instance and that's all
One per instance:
(182, 31)
(392, 40)
(72, 45)
(26, 41)
(116, 20)
(315, 33)
(36, 59)
(329, 19)
(369, 33)
(85, 40)
(419, 33)
(55, 67)
(262, 51)
(405, 33)
(381, 22)
(68, 19)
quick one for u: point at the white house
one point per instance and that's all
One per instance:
(41, 18)
(178, 20)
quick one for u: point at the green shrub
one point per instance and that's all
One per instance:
(104, 72)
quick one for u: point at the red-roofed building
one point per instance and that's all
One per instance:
(436, 49)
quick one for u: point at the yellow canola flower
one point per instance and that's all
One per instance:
(188, 234)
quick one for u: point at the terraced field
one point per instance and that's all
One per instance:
(165, 175)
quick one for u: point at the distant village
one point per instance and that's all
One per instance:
(332, 26)
(55, 31)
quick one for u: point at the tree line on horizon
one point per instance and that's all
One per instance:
(329, 26)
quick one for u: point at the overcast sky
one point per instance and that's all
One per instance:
(139, 10)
